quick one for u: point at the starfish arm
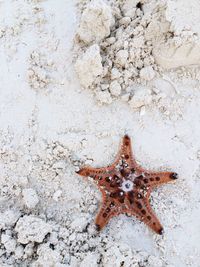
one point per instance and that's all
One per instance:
(143, 211)
(95, 173)
(152, 221)
(155, 179)
(125, 154)
(106, 212)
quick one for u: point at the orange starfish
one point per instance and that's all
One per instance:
(126, 188)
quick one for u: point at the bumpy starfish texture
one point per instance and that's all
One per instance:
(126, 188)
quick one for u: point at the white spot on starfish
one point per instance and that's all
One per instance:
(127, 185)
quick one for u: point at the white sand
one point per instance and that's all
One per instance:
(50, 126)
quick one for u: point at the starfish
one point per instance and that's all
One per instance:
(126, 188)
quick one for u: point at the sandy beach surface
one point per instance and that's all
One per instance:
(75, 76)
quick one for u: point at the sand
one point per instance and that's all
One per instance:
(51, 125)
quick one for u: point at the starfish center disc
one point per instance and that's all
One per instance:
(127, 185)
